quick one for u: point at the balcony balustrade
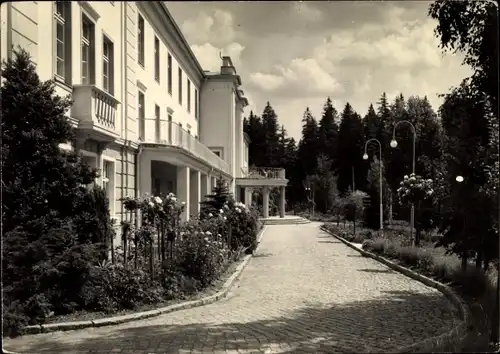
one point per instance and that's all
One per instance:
(172, 134)
(95, 109)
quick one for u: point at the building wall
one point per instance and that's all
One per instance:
(216, 111)
(143, 77)
(32, 25)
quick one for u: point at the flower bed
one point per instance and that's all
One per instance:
(162, 262)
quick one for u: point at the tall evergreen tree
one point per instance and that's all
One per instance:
(253, 127)
(308, 145)
(351, 143)
(328, 132)
(270, 127)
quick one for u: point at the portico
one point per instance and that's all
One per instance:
(164, 170)
(265, 179)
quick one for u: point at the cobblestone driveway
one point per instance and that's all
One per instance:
(304, 292)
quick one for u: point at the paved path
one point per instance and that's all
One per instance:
(304, 292)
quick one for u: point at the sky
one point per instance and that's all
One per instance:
(296, 54)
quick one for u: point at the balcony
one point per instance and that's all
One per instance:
(173, 135)
(263, 176)
(96, 112)
(266, 172)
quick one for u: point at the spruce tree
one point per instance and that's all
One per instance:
(215, 201)
(328, 132)
(40, 181)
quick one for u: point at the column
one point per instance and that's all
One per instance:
(194, 193)
(144, 176)
(282, 201)
(214, 183)
(204, 186)
(183, 186)
(265, 206)
(248, 196)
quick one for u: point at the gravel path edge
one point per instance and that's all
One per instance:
(438, 343)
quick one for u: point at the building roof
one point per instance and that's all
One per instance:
(182, 38)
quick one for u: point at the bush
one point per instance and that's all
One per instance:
(201, 257)
(111, 288)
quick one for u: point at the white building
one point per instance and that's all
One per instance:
(146, 113)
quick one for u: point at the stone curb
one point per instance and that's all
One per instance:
(68, 326)
(432, 344)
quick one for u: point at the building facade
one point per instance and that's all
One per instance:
(146, 114)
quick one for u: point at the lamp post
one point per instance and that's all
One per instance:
(365, 157)
(394, 144)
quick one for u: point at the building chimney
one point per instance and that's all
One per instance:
(227, 67)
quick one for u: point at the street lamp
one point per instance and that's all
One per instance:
(459, 179)
(365, 157)
(394, 144)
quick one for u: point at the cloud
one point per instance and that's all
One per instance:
(296, 54)
(301, 77)
(209, 56)
(215, 27)
(303, 11)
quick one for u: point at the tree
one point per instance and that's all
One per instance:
(47, 252)
(214, 202)
(328, 132)
(372, 212)
(253, 127)
(307, 151)
(271, 137)
(351, 144)
(466, 214)
(471, 27)
(325, 184)
(354, 205)
(39, 179)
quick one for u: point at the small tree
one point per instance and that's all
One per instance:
(355, 207)
(215, 201)
(419, 191)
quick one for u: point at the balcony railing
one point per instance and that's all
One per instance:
(266, 173)
(94, 108)
(172, 134)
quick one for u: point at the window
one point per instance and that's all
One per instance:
(142, 116)
(196, 103)
(62, 17)
(180, 86)
(107, 65)
(218, 151)
(106, 174)
(189, 95)
(157, 59)
(88, 44)
(169, 73)
(108, 182)
(140, 40)
(157, 122)
(169, 128)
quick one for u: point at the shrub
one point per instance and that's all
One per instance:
(112, 288)
(202, 257)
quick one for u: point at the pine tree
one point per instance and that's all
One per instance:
(214, 202)
(328, 132)
(308, 145)
(255, 130)
(47, 251)
(40, 181)
(351, 144)
(270, 127)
